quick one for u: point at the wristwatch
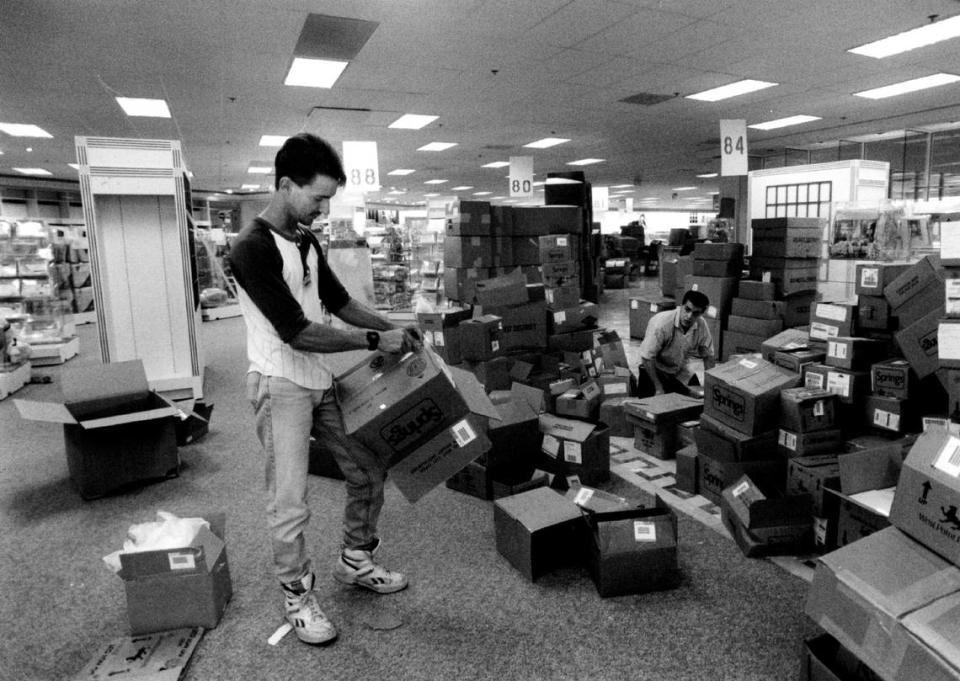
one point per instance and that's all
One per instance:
(373, 340)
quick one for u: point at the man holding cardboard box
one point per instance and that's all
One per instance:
(284, 284)
(672, 339)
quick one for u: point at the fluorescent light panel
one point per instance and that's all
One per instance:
(322, 73)
(741, 87)
(461, 188)
(496, 164)
(272, 140)
(707, 175)
(437, 146)
(784, 122)
(33, 171)
(435, 181)
(482, 193)
(621, 186)
(23, 130)
(683, 189)
(260, 170)
(586, 161)
(906, 86)
(546, 143)
(144, 107)
(413, 121)
(401, 171)
(928, 34)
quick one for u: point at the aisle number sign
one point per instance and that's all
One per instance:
(733, 147)
(521, 177)
(361, 164)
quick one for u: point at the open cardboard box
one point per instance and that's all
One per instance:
(187, 586)
(867, 479)
(116, 430)
(425, 418)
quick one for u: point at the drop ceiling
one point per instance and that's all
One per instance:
(497, 73)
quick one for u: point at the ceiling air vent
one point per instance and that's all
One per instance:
(646, 98)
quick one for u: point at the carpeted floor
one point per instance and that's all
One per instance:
(467, 614)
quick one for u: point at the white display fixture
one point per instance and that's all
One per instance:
(137, 210)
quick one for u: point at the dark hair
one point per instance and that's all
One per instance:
(303, 157)
(698, 298)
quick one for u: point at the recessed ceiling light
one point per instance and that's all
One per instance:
(741, 87)
(540, 183)
(683, 189)
(496, 164)
(249, 186)
(784, 122)
(927, 34)
(713, 193)
(272, 140)
(482, 193)
(260, 170)
(437, 146)
(585, 162)
(401, 171)
(497, 198)
(906, 86)
(33, 171)
(562, 180)
(413, 121)
(435, 181)
(621, 186)
(707, 175)
(433, 194)
(23, 130)
(461, 188)
(546, 143)
(141, 106)
(314, 72)
(396, 192)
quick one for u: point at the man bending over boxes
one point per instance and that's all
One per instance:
(283, 281)
(672, 339)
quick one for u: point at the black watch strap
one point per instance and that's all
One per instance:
(373, 340)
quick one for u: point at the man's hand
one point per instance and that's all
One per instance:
(411, 340)
(393, 341)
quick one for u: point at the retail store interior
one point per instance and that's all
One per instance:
(532, 187)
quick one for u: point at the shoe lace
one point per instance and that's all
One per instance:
(312, 606)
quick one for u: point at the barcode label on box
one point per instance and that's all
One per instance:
(695, 287)
(559, 317)
(463, 433)
(837, 350)
(711, 312)
(823, 331)
(818, 408)
(549, 295)
(748, 364)
(653, 307)
(765, 278)
(561, 241)
(838, 383)
(835, 312)
(495, 345)
(788, 440)
(181, 561)
(741, 488)
(634, 304)
(886, 419)
(948, 460)
(572, 452)
(550, 446)
(615, 389)
(644, 530)
(870, 277)
(813, 381)
(583, 496)
(438, 338)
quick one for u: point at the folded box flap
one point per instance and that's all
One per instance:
(53, 412)
(566, 429)
(199, 557)
(473, 393)
(874, 468)
(86, 383)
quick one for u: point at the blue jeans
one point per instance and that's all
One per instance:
(286, 415)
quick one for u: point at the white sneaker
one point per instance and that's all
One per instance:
(356, 567)
(303, 612)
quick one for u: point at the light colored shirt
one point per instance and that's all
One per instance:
(665, 343)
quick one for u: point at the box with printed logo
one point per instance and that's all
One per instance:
(522, 327)
(912, 282)
(919, 343)
(745, 394)
(852, 387)
(642, 310)
(655, 420)
(572, 447)
(441, 330)
(788, 275)
(892, 378)
(420, 415)
(948, 343)
(927, 499)
(787, 237)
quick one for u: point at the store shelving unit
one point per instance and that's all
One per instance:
(136, 206)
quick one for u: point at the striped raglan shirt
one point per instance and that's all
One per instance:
(277, 304)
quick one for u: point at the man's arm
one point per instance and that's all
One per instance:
(356, 313)
(322, 338)
(650, 367)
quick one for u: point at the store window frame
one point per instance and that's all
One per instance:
(799, 200)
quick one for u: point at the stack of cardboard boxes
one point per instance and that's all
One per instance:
(716, 271)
